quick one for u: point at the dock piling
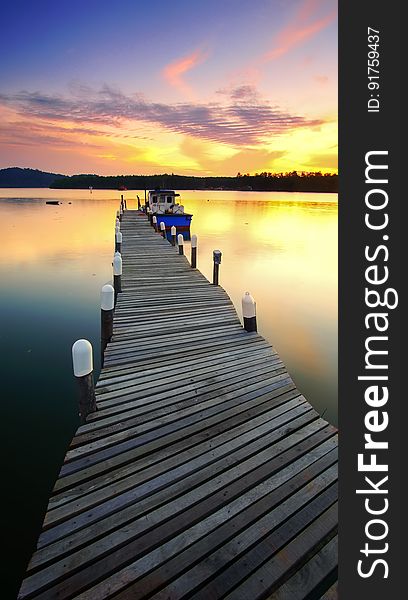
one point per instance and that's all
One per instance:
(82, 361)
(249, 312)
(180, 242)
(118, 241)
(154, 221)
(163, 229)
(117, 274)
(173, 235)
(107, 306)
(194, 251)
(217, 261)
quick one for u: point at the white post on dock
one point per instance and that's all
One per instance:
(82, 361)
(180, 243)
(249, 312)
(107, 306)
(154, 220)
(118, 241)
(163, 229)
(117, 223)
(217, 261)
(117, 274)
(194, 251)
(173, 232)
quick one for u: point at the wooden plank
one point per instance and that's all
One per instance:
(108, 554)
(320, 569)
(180, 554)
(331, 594)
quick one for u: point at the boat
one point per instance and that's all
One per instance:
(164, 205)
(51, 202)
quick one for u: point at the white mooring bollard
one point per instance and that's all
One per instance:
(163, 229)
(82, 361)
(117, 274)
(180, 243)
(118, 241)
(154, 221)
(107, 306)
(194, 251)
(249, 312)
(173, 232)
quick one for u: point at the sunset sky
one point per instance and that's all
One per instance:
(196, 88)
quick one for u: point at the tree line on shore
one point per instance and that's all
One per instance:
(289, 182)
(260, 182)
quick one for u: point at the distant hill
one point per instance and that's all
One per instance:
(14, 177)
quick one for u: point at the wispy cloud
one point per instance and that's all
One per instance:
(307, 22)
(244, 119)
(174, 72)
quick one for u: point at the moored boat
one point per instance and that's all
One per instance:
(164, 205)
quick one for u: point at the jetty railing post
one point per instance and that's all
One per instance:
(125, 204)
(118, 215)
(249, 312)
(154, 221)
(82, 361)
(173, 232)
(138, 203)
(117, 274)
(194, 251)
(107, 306)
(118, 241)
(217, 261)
(180, 243)
(163, 229)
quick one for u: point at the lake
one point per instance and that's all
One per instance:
(281, 247)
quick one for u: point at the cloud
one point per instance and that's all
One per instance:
(306, 23)
(173, 73)
(244, 119)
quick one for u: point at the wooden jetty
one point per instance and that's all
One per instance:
(204, 473)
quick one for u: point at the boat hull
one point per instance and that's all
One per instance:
(181, 222)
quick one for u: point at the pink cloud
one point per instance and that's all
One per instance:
(304, 26)
(173, 73)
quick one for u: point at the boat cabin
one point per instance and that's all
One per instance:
(164, 202)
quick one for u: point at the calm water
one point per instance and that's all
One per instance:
(282, 247)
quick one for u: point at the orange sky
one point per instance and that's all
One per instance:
(206, 94)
